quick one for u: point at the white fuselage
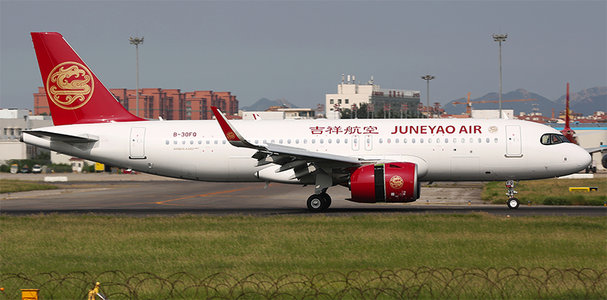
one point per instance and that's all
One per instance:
(444, 149)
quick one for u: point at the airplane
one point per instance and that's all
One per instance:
(571, 135)
(378, 160)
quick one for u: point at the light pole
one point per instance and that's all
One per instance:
(427, 78)
(136, 41)
(500, 38)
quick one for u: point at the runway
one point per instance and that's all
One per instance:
(173, 197)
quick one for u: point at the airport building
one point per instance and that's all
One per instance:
(351, 94)
(12, 123)
(169, 104)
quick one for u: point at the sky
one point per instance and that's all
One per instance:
(298, 50)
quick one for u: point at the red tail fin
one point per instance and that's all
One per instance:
(73, 92)
(567, 131)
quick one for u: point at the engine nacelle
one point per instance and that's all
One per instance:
(390, 182)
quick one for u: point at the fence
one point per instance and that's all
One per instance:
(411, 283)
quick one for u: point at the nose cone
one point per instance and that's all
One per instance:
(580, 159)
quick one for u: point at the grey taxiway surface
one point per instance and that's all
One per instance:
(151, 195)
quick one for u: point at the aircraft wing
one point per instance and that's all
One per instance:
(62, 137)
(596, 149)
(285, 156)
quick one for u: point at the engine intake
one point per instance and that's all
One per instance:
(390, 182)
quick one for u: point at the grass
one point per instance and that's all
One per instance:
(13, 186)
(309, 245)
(550, 192)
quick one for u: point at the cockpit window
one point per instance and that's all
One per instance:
(552, 139)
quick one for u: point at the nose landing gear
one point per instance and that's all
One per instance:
(512, 202)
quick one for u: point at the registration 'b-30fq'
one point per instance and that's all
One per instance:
(378, 160)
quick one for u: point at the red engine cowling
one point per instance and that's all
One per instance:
(391, 182)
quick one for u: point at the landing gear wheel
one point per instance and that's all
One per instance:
(326, 200)
(315, 203)
(513, 203)
(319, 202)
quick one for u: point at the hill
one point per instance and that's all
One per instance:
(587, 101)
(264, 103)
(543, 104)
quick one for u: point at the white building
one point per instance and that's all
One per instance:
(12, 123)
(492, 114)
(350, 93)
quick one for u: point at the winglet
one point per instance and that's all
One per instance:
(230, 132)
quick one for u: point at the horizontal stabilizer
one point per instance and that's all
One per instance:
(62, 137)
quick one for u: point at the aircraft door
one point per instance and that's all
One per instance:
(137, 143)
(368, 142)
(355, 143)
(513, 141)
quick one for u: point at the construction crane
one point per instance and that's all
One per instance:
(469, 103)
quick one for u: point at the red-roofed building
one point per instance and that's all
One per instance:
(170, 104)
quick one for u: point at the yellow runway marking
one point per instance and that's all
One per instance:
(166, 202)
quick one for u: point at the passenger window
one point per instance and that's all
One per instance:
(421, 140)
(167, 142)
(381, 141)
(488, 140)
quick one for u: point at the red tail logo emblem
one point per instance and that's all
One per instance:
(70, 85)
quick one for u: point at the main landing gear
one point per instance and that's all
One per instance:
(512, 202)
(319, 202)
